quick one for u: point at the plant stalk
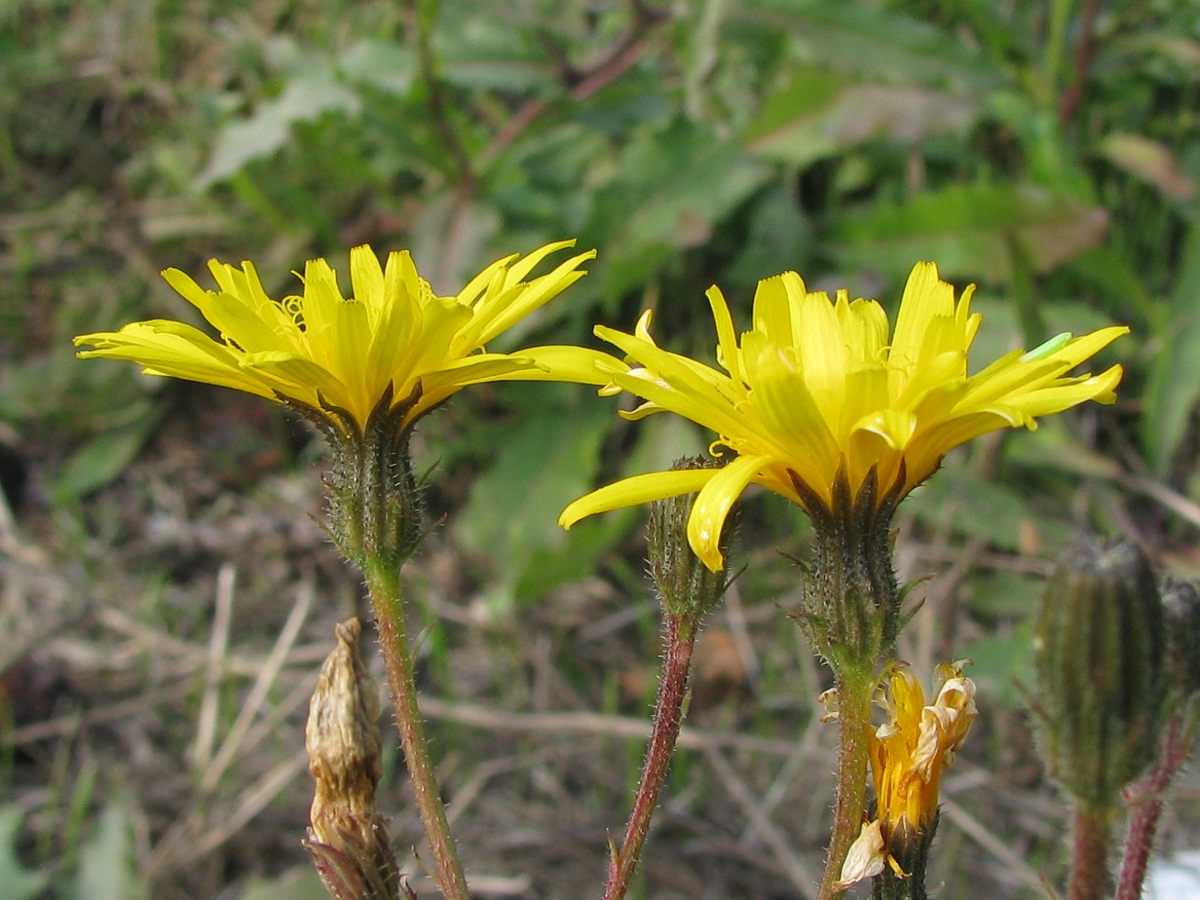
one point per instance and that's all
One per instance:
(668, 714)
(1146, 798)
(383, 583)
(855, 689)
(1091, 833)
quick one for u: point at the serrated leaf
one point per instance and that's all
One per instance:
(972, 231)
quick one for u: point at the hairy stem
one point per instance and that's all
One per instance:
(383, 582)
(1091, 833)
(668, 714)
(1147, 802)
(855, 689)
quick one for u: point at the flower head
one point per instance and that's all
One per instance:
(394, 337)
(909, 752)
(822, 390)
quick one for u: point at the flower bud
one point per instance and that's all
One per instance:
(1100, 652)
(687, 587)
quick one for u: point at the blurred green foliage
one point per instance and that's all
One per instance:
(1045, 152)
(1048, 156)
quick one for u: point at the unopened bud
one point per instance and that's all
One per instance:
(687, 587)
(1101, 655)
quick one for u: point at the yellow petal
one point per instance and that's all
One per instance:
(567, 363)
(712, 506)
(634, 491)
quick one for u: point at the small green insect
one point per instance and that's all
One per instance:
(1049, 348)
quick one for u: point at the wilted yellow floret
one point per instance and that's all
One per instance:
(909, 752)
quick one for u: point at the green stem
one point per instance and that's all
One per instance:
(1091, 831)
(383, 582)
(855, 689)
(668, 714)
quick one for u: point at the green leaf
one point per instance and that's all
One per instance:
(668, 189)
(381, 64)
(870, 41)
(819, 113)
(1051, 161)
(308, 95)
(662, 440)
(1174, 383)
(1151, 161)
(789, 127)
(543, 464)
(1000, 662)
(18, 882)
(971, 231)
(779, 234)
(101, 460)
(107, 867)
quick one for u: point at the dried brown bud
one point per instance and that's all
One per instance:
(348, 838)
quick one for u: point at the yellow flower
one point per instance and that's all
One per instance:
(817, 389)
(909, 753)
(343, 355)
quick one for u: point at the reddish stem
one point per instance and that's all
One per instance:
(1147, 802)
(1091, 832)
(1083, 55)
(668, 714)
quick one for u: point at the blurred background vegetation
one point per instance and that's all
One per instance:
(166, 597)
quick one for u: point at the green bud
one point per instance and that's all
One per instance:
(686, 586)
(1101, 656)
(1181, 604)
